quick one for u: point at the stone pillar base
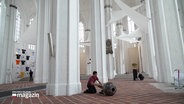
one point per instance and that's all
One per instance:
(63, 89)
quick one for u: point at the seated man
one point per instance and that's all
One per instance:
(91, 84)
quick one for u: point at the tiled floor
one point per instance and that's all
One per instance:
(128, 92)
(17, 85)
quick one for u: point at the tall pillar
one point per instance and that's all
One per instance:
(108, 32)
(119, 54)
(153, 71)
(98, 40)
(8, 45)
(167, 38)
(40, 42)
(3, 41)
(122, 49)
(64, 73)
(46, 53)
(146, 59)
(180, 15)
(88, 50)
(42, 58)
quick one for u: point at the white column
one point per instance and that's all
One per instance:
(98, 40)
(88, 51)
(167, 39)
(46, 54)
(42, 59)
(119, 45)
(121, 50)
(140, 57)
(180, 19)
(146, 55)
(108, 32)
(40, 41)
(64, 73)
(150, 42)
(122, 57)
(3, 42)
(9, 42)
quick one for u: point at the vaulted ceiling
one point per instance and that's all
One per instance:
(85, 9)
(28, 10)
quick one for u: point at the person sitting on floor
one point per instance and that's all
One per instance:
(91, 84)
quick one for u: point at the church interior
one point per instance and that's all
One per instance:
(52, 47)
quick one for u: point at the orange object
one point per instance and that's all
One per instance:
(17, 62)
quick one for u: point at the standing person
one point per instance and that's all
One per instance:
(91, 84)
(135, 74)
(31, 75)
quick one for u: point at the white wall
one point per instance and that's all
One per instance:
(133, 58)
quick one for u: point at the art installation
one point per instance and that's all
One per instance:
(132, 37)
(109, 89)
(24, 61)
(140, 20)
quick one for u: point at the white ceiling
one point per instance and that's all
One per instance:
(28, 10)
(85, 8)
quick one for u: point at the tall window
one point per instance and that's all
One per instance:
(31, 47)
(30, 21)
(17, 28)
(131, 25)
(81, 33)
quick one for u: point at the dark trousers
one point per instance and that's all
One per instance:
(31, 78)
(91, 89)
(134, 74)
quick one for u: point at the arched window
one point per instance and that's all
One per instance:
(17, 27)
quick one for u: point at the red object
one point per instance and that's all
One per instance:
(92, 79)
(17, 62)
